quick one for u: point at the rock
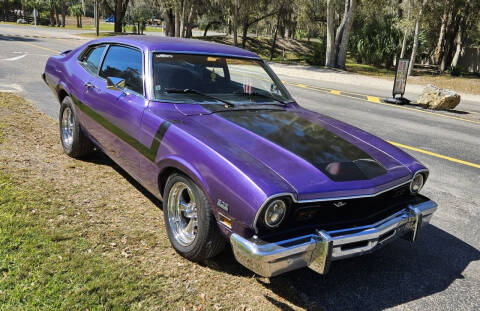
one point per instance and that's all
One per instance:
(21, 21)
(436, 98)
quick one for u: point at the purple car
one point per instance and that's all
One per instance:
(211, 131)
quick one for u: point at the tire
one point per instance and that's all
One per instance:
(74, 142)
(207, 240)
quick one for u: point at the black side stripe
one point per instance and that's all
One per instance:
(150, 153)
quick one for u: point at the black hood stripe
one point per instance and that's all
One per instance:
(337, 158)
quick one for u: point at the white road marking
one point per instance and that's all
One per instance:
(10, 88)
(11, 59)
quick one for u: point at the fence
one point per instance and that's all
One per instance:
(29, 19)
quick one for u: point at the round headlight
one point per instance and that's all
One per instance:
(417, 183)
(275, 213)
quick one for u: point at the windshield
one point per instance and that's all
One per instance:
(236, 80)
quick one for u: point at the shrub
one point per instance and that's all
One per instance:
(317, 58)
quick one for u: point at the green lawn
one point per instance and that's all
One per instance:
(52, 268)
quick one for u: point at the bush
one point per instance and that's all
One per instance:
(317, 58)
(455, 71)
(375, 41)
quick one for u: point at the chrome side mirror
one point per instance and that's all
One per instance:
(116, 84)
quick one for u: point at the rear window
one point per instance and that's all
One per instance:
(91, 59)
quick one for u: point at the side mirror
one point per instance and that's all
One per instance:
(116, 84)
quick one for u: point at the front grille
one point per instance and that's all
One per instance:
(304, 218)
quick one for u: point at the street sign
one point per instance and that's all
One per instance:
(399, 83)
(401, 77)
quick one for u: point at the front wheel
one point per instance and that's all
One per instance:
(74, 142)
(191, 226)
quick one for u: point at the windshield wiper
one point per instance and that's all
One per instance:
(193, 91)
(262, 95)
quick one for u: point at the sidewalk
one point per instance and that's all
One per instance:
(353, 82)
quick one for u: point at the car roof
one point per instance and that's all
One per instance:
(179, 45)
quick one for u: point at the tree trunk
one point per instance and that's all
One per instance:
(52, 17)
(274, 41)
(177, 23)
(64, 12)
(330, 53)
(190, 20)
(57, 17)
(120, 9)
(5, 10)
(244, 34)
(339, 33)
(415, 38)
(80, 19)
(183, 18)
(458, 48)
(235, 23)
(210, 24)
(169, 23)
(343, 47)
(439, 49)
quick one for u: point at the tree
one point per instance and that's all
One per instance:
(415, 36)
(77, 11)
(337, 45)
(330, 57)
(118, 8)
(253, 11)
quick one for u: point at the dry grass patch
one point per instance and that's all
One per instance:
(82, 234)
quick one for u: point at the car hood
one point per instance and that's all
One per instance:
(317, 156)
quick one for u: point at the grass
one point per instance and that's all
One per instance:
(79, 234)
(54, 268)
(46, 263)
(369, 70)
(469, 84)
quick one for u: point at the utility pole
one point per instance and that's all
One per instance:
(97, 24)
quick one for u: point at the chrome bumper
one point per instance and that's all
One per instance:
(318, 250)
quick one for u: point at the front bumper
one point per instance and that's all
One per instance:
(318, 250)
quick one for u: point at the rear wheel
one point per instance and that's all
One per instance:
(191, 226)
(74, 142)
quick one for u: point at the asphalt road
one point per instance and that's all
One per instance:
(441, 272)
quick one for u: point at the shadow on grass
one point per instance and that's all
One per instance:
(100, 158)
(396, 274)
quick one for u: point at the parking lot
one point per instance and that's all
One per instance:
(442, 271)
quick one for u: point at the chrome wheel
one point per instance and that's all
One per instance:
(67, 127)
(182, 213)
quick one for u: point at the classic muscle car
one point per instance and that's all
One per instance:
(211, 131)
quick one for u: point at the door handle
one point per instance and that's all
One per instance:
(89, 85)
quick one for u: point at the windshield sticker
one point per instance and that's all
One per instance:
(213, 75)
(163, 55)
(247, 85)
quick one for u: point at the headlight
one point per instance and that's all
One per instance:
(275, 213)
(417, 183)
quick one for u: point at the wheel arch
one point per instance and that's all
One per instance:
(175, 164)
(62, 92)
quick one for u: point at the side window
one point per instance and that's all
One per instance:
(125, 63)
(91, 60)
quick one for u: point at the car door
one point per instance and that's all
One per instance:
(90, 60)
(117, 113)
